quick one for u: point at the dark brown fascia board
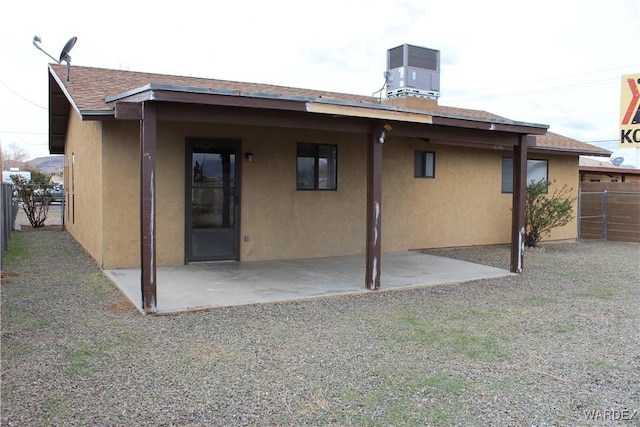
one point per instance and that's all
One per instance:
(204, 96)
(453, 120)
(168, 111)
(262, 100)
(570, 151)
(462, 135)
(492, 125)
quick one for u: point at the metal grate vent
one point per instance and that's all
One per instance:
(396, 57)
(421, 57)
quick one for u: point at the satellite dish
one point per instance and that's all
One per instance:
(617, 161)
(64, 55)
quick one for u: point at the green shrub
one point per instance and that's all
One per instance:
(544, 211)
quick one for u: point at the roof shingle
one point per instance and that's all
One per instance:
(90, 86)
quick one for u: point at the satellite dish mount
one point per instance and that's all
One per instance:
(64, 55)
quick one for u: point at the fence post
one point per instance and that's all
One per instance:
(579, 212)
(605, 202)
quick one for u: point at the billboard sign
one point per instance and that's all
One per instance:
(630, 111)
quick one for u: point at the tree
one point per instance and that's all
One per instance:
(39, 178)
(544, 212)
(13, 156)
(33, 204)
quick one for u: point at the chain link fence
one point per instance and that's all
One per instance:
(48, 201)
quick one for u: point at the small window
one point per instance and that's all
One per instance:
(317, 167)
(424, 164)
(536, 170)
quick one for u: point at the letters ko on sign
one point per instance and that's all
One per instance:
(630, 111)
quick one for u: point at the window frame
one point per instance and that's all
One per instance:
(510, 171)
(316, 149)
(424, 154)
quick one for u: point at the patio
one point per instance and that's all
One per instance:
(218, 284)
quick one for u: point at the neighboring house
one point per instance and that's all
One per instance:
(168, 170)
(592, 170)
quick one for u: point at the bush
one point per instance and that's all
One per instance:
(34, 205)
(544, 212)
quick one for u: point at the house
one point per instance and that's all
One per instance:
(168, 170)
(592, 170)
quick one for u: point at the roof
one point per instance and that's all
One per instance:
(92, 92)
(554, 142)
(90, 89)
(605, 168)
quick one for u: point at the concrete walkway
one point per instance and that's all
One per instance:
(209, 285)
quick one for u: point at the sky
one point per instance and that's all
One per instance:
(554, 62)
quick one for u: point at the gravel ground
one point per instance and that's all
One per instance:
(556, 345)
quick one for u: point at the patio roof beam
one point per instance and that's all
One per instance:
(175, 112)
(466, 135)
(488, 125)
(215, 99)
(148, 134)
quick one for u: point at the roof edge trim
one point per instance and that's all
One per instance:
(64, 90)
(571, 151)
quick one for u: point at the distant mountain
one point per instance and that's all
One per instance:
(49, 164)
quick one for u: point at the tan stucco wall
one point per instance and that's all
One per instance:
(463, 205)
(282, 222)
(279, 222)
(122, 190)
(83, 183)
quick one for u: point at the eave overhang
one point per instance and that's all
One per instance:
(571, 151)
(353, 116)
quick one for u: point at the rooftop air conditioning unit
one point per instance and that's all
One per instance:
(413, 71)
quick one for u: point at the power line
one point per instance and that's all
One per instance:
(547, 80)
(538, 91)
(22, 97)
(22, 133)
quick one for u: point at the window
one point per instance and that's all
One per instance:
(424, 164)
(536, 170)
(317, 167)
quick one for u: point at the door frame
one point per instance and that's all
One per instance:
(227, 144)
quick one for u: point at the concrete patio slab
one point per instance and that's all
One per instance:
(219, 284)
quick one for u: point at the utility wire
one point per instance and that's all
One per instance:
(22, 97)
(547, 80)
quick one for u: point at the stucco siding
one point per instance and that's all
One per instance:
(83, 160)
(281, 222)
(463, 205)
(121, 192)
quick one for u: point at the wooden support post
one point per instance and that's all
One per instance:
(519, 197)
(374, 202)
(148, 129)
